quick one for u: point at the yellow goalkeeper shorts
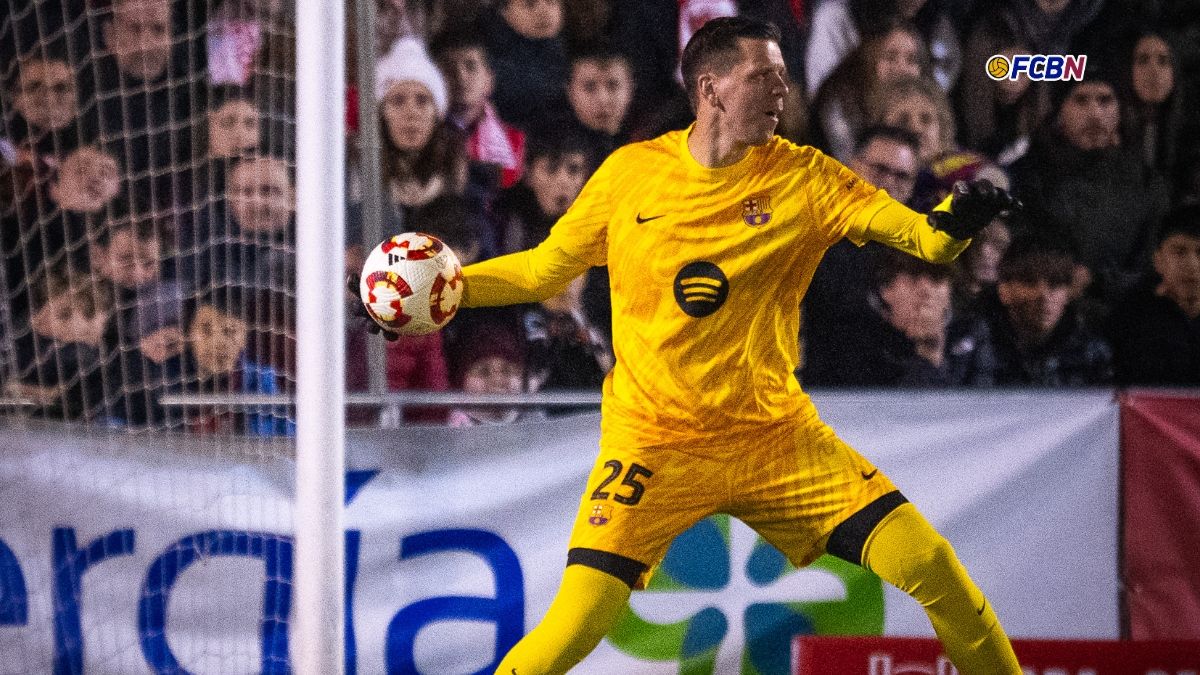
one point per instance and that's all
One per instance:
(793, 483)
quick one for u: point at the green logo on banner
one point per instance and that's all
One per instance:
(723, 595)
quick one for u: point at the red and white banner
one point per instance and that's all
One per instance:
(820, 655)
(1160, 439)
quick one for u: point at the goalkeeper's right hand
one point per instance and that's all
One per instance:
(358, 314)
(970, 207)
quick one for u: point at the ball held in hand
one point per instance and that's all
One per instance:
(411, 284)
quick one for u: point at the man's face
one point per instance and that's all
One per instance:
(409, 115)
(749, 98)
(899, 57)
(87, 179)
(1034, 306)
(233, 129)
(918, 305)
(600, 92)
(70, 316)
(920, 116)
(45, 96)
(889, 165)
(556, 184)
(470, 78)
(139, 37)
(260, 195)
(534, 19)
(1177, 261)
(127, 261)
(1153, 74)
(217, 340)
(1089, 116)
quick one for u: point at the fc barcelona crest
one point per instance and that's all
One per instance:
(601, 514)
(756, 211)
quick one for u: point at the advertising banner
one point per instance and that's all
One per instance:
(164, 554)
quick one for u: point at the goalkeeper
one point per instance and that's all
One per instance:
(711, 235)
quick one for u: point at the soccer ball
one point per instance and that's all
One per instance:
(411, 284)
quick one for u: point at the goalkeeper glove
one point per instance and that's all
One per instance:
(358, 312)
(970, 207)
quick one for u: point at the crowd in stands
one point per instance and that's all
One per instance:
(147, 190)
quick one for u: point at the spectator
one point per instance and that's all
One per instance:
(842, 103)
(1154, 118)
(489, 358)
(1155, 331)
(58, 357)
(1082, 187)
(599, 90)
(217, 336)
(127, 253)
(918, 105)
(233, 129)
(840, 294)
(127, 256)
(558, 166)
(903, 340)
(887, 158)
(422, 157)
(144, 346)
(463, 59)
(50, 228)
(526, 48)
(839, 26)
(146, 94)
(45, 102)
(1029, 333)
(234, 124)
(250, 234)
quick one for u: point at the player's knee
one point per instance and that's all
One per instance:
(931, 569)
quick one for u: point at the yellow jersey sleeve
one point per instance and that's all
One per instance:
(576, 242)
(851, 207)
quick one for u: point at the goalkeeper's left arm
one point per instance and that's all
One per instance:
(943, 234)
(527, 276)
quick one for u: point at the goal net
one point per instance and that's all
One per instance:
(149, 236)
(147, 253)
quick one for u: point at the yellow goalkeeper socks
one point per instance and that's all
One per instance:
(907, 552)
(586, 607)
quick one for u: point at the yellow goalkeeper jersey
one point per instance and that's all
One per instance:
(707, 269)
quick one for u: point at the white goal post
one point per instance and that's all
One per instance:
(318, 613)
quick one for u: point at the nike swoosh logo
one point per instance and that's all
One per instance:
(641, 220)
(869, 476)
(982, 607)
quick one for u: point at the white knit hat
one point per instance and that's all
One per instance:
(407, 61)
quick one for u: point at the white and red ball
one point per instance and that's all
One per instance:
(411, 284)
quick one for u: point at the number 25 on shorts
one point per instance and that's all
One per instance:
(635, 472)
